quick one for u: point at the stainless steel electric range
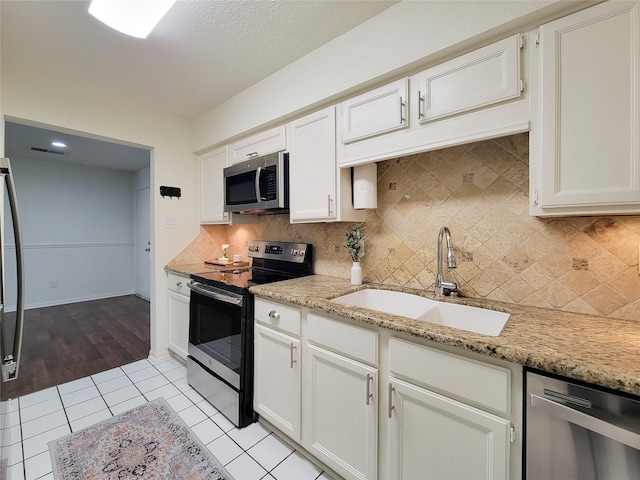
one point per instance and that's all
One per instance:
(220, 361)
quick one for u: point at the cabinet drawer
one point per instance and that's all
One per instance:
(178, 283)
(480, 383)
(278, 316)
(354, 342)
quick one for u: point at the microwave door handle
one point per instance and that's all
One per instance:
(258, 174)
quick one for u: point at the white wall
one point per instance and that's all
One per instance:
(77, 109)
(78, 230)
(408, 34)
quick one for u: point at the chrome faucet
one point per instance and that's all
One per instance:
(443, 288)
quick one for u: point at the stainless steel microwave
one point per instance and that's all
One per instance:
(258, 186)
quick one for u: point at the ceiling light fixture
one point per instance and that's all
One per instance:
(133, 17)
(58, 144)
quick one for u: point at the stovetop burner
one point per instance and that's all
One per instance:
(272, 262)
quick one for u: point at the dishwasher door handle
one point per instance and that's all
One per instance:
(588, 422)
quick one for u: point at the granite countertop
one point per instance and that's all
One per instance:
(187, 269)
(597, 350)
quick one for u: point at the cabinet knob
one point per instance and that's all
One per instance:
(274, 315)
(179, 284)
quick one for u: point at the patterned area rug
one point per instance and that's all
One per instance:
(149, 442)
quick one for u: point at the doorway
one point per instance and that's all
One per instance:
(84, 206)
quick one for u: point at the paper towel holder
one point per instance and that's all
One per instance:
(364, 186)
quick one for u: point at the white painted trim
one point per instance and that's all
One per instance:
(72, 300)
(43, 246)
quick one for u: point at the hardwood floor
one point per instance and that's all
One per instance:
(68, 342)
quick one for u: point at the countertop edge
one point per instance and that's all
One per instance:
(549, 340)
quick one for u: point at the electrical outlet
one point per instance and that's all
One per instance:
(639, 260)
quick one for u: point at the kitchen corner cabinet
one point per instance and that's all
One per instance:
(178, 312)
(268, 141)
(318, 190)
(585, 157)
(473, 97)
(212, 187)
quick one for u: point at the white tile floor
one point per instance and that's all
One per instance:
(34, 420)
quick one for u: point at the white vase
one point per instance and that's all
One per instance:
(356, 274)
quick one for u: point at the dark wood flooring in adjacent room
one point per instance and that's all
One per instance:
(68, 342)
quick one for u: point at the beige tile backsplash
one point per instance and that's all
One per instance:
(480, 191)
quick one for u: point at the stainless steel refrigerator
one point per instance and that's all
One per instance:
(10, 341)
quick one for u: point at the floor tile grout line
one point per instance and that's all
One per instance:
(191, 402)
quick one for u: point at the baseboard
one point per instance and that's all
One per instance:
(66, 301)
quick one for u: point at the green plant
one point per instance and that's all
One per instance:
(354, 241)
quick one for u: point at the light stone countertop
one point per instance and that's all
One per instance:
(187, 269)
(597, 350)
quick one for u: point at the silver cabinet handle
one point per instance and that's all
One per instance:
(329, 212)
(369, 394)
(391, 407)
(420, 102)
(589, 422)
(273, 315)
(252, 154)
(402, 115)
(179, 284)
(292, 357)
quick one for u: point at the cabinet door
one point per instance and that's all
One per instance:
(590, 110)
(269, 141)
(483, 77)
(341, 413)
(379, 111)
(277, 380)
(312, 165)
(178, 323)
(434, 437)
(212, 187)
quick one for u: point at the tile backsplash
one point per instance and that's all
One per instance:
(480, 191)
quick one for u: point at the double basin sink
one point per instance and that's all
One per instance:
(464, 317)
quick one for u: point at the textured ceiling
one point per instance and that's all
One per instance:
(201, 53)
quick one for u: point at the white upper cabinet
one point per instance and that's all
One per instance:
(584, 146)
(212, 187)
(473, 97)
(312, 167)
(379, 111)
(269, 141)
(318, 190)
(480, 78)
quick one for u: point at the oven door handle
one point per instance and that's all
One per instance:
(220, 295)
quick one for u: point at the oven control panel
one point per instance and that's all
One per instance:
(285, 251)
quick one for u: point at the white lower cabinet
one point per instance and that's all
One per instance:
(277, 379)
(178, 296)
(434, 437)
(369, 405)
(342, 415)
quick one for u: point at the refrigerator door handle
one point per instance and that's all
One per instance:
(11, 361)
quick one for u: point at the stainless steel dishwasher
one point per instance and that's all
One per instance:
(579, 432)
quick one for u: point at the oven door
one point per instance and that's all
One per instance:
(216, 324)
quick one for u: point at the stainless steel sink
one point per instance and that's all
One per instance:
(464, 317)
